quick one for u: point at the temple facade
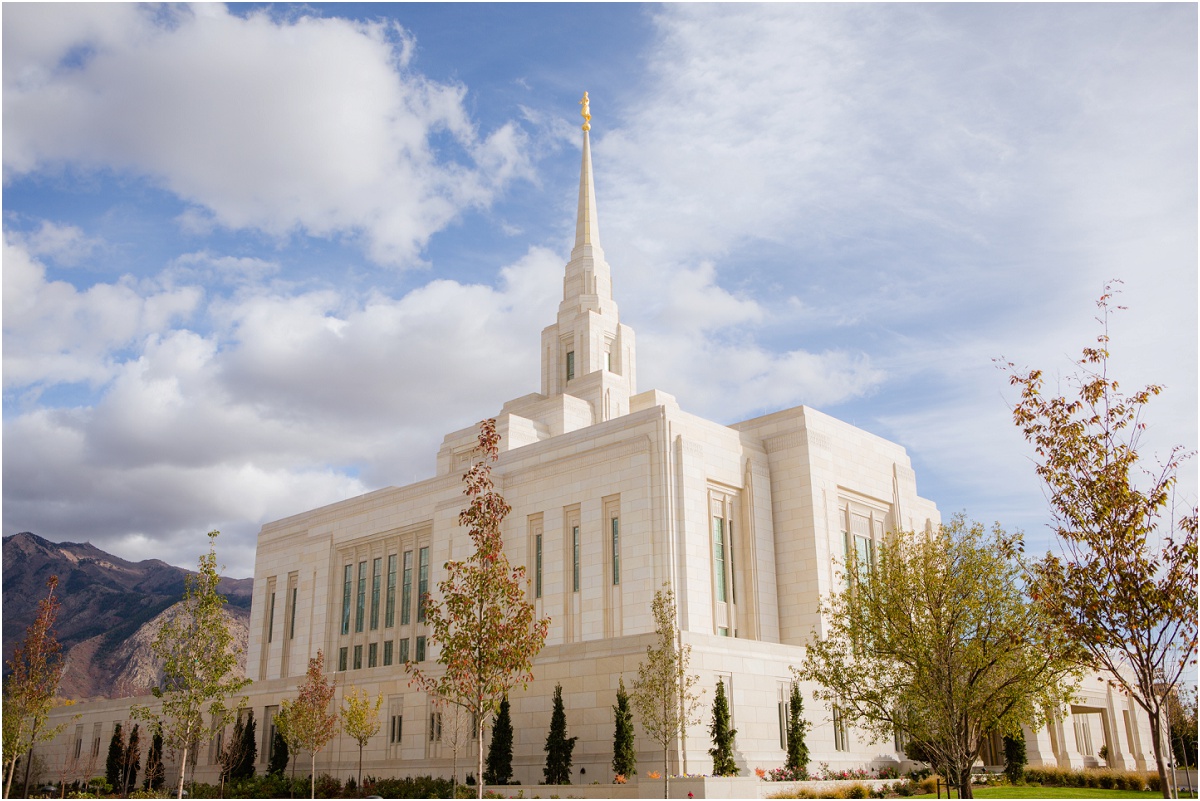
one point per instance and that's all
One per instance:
(616, 492)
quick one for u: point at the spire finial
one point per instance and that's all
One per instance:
(587, 112)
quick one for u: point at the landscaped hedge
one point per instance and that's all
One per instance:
(1102, 778)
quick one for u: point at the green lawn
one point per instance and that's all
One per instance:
(1059, 792)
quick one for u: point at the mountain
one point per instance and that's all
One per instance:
(111, 609)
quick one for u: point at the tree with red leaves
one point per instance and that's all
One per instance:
(1124, 587)
(310, 724)
(29, 693)
(487, 631)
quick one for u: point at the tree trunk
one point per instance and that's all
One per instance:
(28, 767)
(312, 780)
(182, 773)
(666, 774)
(360, 748)
(11, 772)
(479, 761)
(1156, 736)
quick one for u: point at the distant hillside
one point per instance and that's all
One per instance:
(110, 610)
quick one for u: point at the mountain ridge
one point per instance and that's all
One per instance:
(110, 609)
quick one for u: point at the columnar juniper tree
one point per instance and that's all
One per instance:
(36, 667)
(244, 768)
(624, 762)
(155, 774)
(722, 735)
(486, 629)
(132, 762)
(279, 753)
(499, 758)
(310, 724)
(114, 766)
(797, 727)
(559, 746)
(199, 666)
(1125, 585)
(940, 628)
(664, 693)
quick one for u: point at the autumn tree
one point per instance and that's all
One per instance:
(722, 735)
(487, 631)
(559, 747)
(797, 728)
(1124, 582)
(500, 750)
(937, 638)
(199, 666)
(624, 761)
(664, 694)
(29, 691)
(308, 722)
(360, 720)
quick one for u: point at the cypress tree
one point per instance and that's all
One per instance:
(155, 773)
(797, 750)
(114, 766)
(722, 735)
(131, 762)
(243, 768)
(558, 745)
(624, 762)
(1015, 757)
(279, 754)
(499, 758)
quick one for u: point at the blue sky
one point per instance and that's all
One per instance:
(261, 258)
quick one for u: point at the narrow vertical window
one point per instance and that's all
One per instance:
(358, 657)
(729, 555)
(608, 360)
(372, 654)
(342, 658)
(360, 602)
(292, 619)
(271, 619)
(570, 364)
(389, 615)
(537, 584)
(616, 551)
(719, 557)
(420, 649)
(387, 653)
(376, 580)
(404, 650)
(575, 558)
(406, 590)
(422, 584)
(346, 600)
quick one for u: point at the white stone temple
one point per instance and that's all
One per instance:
(615, 491)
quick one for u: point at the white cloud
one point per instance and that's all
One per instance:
(54, 333)
(291, 401)
(307, 124)
(66, 245)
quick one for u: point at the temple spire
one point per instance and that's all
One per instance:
(587, 224)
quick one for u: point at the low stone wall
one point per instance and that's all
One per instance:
(690, 787)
